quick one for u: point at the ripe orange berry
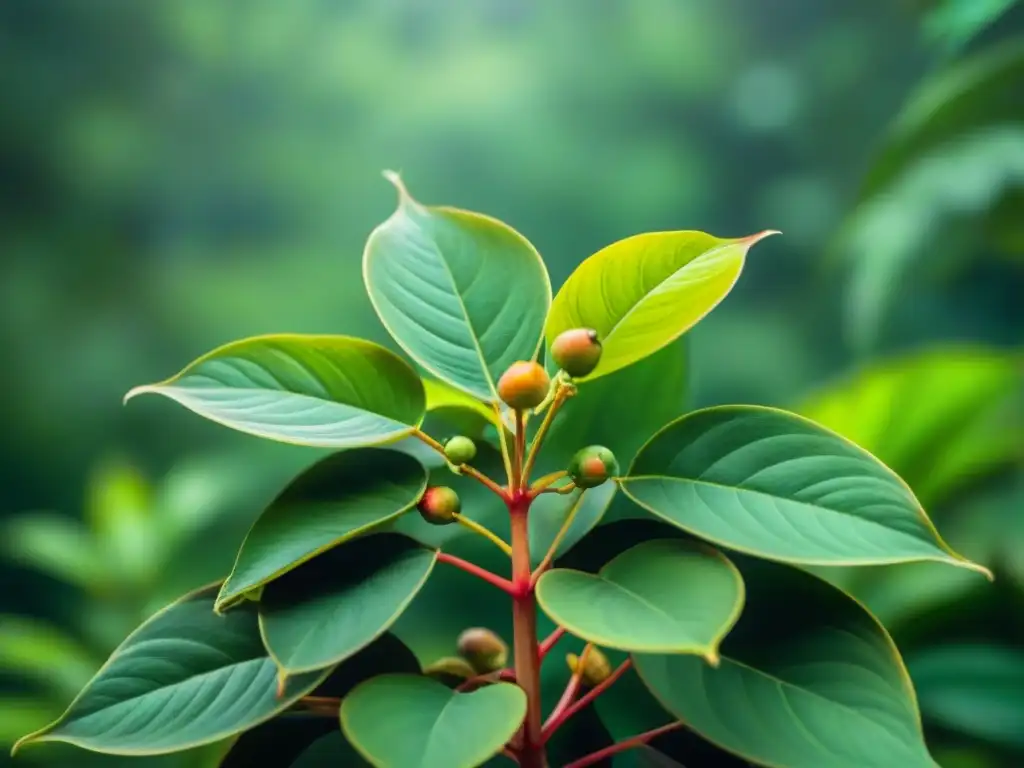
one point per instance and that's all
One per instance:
(524, 385)
(592, 465)
(576, 351)
(439, 505)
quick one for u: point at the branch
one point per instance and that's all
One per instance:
(634, 741)
(588, 697)
(518, 478)
(568, 694)
(491, 578)
(550, 640)
(487, 533)
(462, 469)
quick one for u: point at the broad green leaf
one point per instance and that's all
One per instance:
(973, 688)
(939, 418)
(773, 484)
(334, 605)
(279, 742)
(326, 391)
(645, 291)
(808, 678)
(337, 499)
(662, 596)
(186, 677)
(401, 721)
(464, 294)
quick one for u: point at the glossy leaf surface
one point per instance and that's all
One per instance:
(464, 294)
(807, 678)
(338, 498)
(326, 391)
(334, 605)
(664, 596)
(186, 677)
(643, 292)
(773, 484)
(400, 721)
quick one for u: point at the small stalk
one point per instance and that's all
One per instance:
(491, 578)
(547, 481)
(561, 395)
(550, 640)
(484, 531)
(569, 694)
(556, 722)
(462, 469)
(631, 743)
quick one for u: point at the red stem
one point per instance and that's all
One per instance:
(489, 677)
(569, 693)
(589, 696)
(549, 642)
(491, 578)
(622, 746)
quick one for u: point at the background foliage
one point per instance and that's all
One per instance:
(181, 174)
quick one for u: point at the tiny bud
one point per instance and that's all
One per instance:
(596, 669)
(576, 351)
(524, 385)
(483, 649)
(592, 465)
(439, 505)
(451, 670)
(459, 449)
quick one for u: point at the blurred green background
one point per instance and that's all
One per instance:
(182, 173)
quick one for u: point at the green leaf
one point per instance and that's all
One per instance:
(58, 546)
(186, 677)
(330, 751)
(119, 512)
(550, 511)
(45, 654)
(808, 678)
(280, 741)
(326, 391)
(773, 484)
(464, 294)
(974, 689)
(332, 606)
(337, 499)
(469, 415)
(645, 291)
(951, 24)
(401, 721)
(658, 597)
(940, 418)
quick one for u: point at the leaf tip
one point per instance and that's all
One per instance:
(134, 391)
(712, 657)
(752, 240)
(396, 180)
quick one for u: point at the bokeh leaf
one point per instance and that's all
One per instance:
(336, 604)
(807, 678)
(439, 728)
(326, 391)
(338, 498)
(773, 484)
(57, 546)
(45, 654)
(973, 688)
(643, 292)
(662, 596)
(464, 294)
(186, 677)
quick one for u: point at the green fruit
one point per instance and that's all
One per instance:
(524, 385)
(577, 351)
(483, 649)
(439, 505)
(592, 465)
(596, 669)
(459, 449)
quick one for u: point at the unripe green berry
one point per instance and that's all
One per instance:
(596, 669)
(576, 351)
(439, 505)
(524, 385)
(483, 649)
(459, 449)
(592, 465)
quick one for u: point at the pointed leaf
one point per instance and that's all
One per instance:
(773, 484)
(464, 294)
(400, 721)
(281, 740)
(186, 677)
(658, 597)
(808, 678)
(326, 391)
(332, 606)
(338, 498)
(643, 292)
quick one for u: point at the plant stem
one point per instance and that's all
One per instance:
(487, 533)
(491, 578)
(630, 743)
(550, 640)
(589, 696)
(462, 469)
(518, 478)
(506, 459)
(566, 524)
(489, 677)
(545, 425)
(527, 649)
(570, 691)
(562, 489)
(547, 480)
